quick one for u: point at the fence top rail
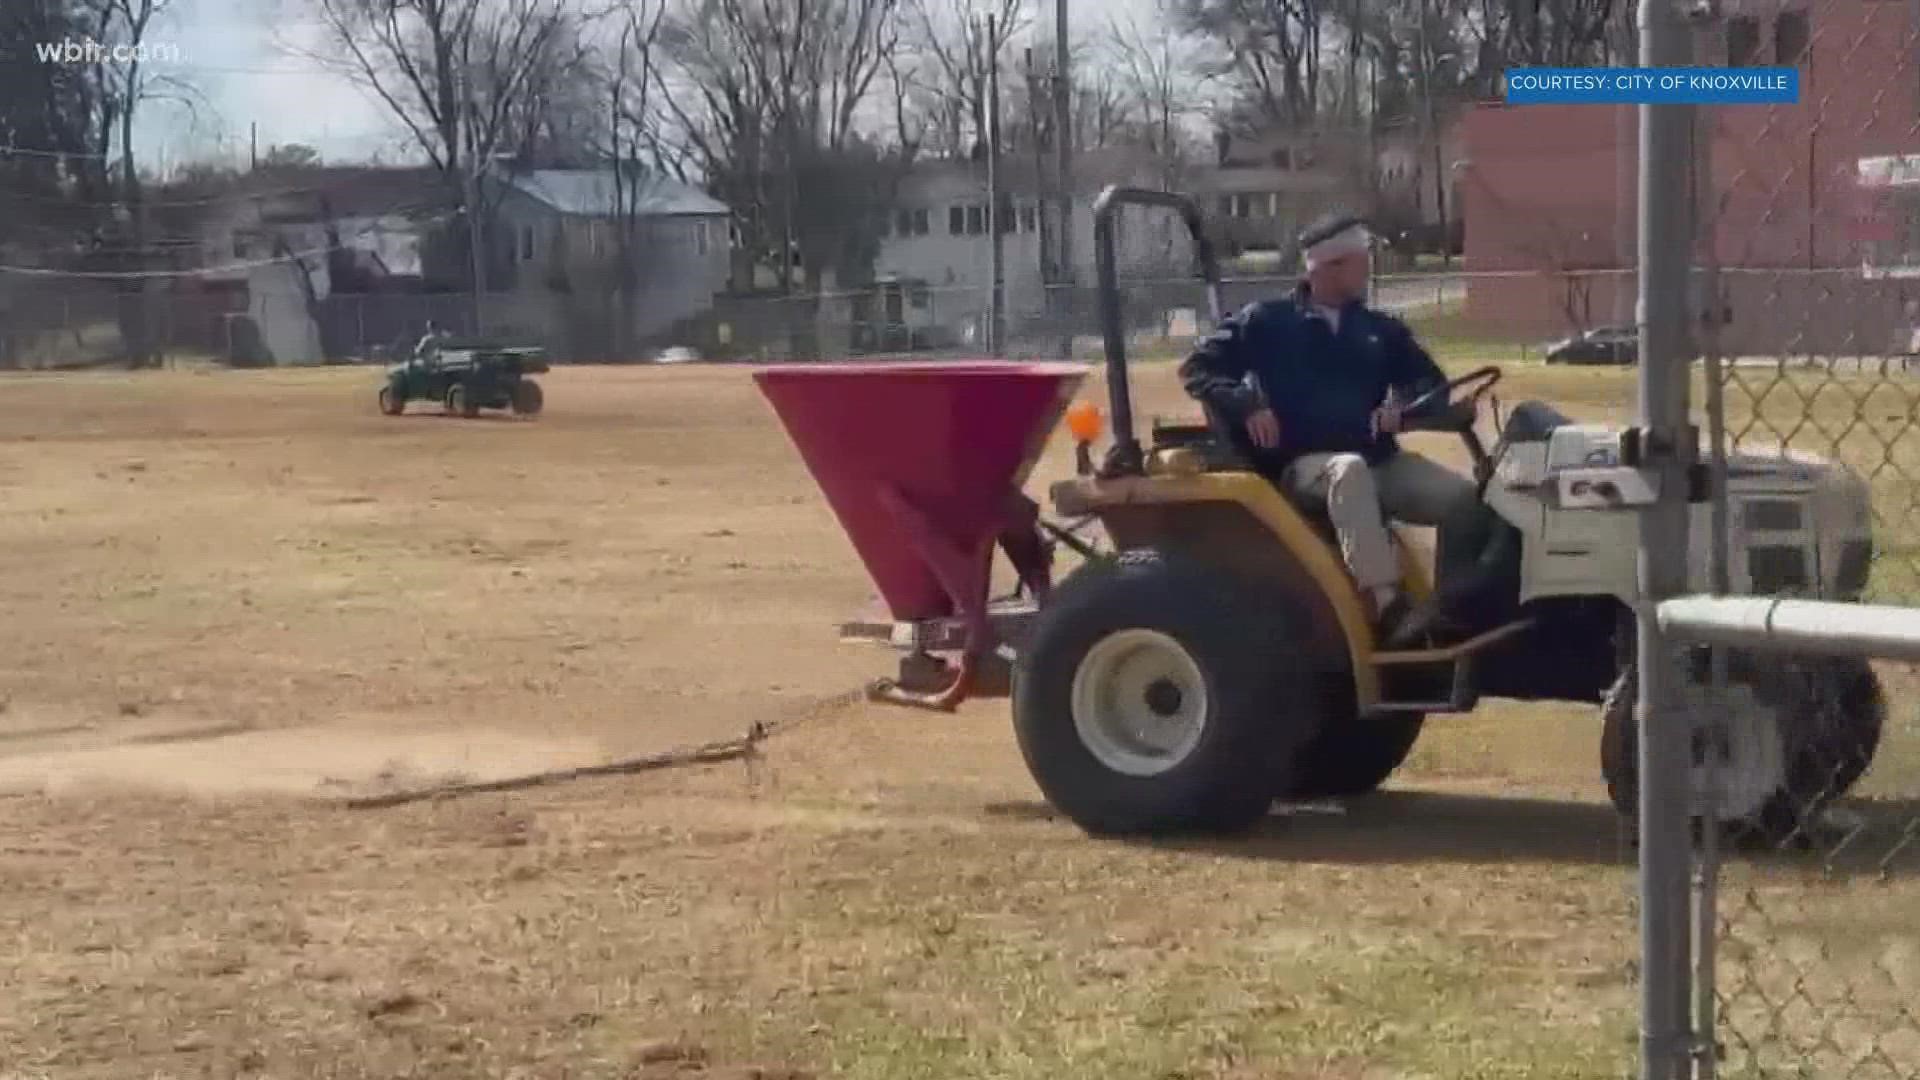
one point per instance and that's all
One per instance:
(1879, 631)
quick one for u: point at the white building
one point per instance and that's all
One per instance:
(935, 264)
(560, 239)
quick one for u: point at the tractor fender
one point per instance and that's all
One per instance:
(1240, 521)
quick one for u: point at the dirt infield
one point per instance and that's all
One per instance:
(232, 598)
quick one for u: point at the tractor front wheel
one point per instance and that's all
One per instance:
(1798, 734)
(1156, 694)
(391, 401)
(527, 398)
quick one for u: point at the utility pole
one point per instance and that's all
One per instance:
(1063, 144)
(1626, 227)
(1041, 215)
(997, 304)
(470, 174)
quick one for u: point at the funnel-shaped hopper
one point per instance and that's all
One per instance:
(916, 455)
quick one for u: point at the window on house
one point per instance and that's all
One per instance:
(976, 220)
(526, 243)
(1283, 158)
(903, 223)
(921, 227)
(1791, 35)
(956, 220)
(919, 296)
(1029, 219)
(1226, 206)
(700, 237)
(1005, 218)
(1743, 40)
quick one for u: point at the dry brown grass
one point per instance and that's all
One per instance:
(233, 596)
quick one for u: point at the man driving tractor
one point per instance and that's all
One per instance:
(1330, 381)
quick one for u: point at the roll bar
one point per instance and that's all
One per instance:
(1126, 458)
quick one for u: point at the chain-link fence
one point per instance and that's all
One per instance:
(1800, 329)
(68, 323)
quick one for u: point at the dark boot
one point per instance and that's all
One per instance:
(1419, 625)
(1388, 620)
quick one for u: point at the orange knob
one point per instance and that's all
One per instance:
(1084, 421)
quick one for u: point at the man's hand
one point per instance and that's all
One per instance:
(1264, 428)
(1386, 418)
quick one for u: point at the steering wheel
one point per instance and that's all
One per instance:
(1458, 417)
(1467, 407)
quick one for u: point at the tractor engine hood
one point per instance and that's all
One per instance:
(1586, 446)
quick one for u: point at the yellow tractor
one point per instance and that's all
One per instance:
(1217, 656)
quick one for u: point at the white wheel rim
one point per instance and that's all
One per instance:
(1139, 702)
(1750, 766)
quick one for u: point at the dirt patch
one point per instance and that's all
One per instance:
(333, 761)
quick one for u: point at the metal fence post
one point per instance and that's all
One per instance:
(1707, 320)
(1665, 258)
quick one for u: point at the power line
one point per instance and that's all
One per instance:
(206, 271)
(209, 200)
(22, 151)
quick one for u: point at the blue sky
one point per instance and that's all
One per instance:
(247, 70)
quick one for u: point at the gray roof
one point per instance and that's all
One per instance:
(593, 193)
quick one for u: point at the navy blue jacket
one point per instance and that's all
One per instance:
(1321, 385)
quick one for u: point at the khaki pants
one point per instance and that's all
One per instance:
(1407, 487)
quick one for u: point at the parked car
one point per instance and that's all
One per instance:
(1600, 345)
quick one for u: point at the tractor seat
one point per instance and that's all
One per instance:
(1223, 453)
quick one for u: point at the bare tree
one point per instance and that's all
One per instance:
(1268, 50)
(124, 27)
(768, 96)
(949, 72)
(467, 78)
(633, 133)
(1158, 73)
(55, 117)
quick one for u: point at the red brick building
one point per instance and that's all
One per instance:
(1544, 189)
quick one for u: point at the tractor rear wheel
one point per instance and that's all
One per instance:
(391, 403)
(1800, 734)
(1354, 754)
(1157, 694)
(527, 398)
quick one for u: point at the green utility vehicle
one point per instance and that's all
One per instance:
(467, 376)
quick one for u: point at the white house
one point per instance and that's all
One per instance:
(935, 264)
(270, 234)
(550, 270)
(560, 232)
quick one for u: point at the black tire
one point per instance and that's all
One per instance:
(1354, 754)
(460, 401)
(1850, 700)
(1255, 706)
(1830, 711)
(391, 403)
(528, 399)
